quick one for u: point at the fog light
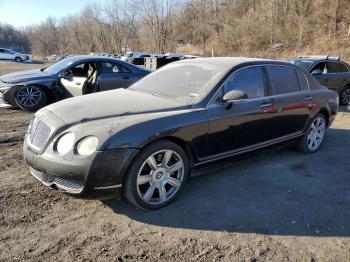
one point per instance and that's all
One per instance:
(87, 146)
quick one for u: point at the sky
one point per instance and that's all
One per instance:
(22, 13)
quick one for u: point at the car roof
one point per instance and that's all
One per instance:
(91, 57)
(230, 62)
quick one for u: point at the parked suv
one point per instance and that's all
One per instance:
(330, 72)
(8, 54)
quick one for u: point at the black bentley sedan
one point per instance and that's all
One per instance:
(73, 76)
(148, 138)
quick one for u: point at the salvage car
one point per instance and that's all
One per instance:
(72, 76)
(330, 72)
(146, 139)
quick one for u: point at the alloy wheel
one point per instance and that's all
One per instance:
(316, 133)
(29, 96)
(345, 96)
(160, 177)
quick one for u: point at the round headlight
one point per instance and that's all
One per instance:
(87, 146)
(65, 143)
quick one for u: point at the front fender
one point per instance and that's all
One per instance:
(189, 126)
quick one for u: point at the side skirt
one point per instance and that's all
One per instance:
(247, 149)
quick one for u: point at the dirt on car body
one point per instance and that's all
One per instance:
(275, 205)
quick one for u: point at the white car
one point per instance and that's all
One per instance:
(8, 54)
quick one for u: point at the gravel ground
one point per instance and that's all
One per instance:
(275, 205)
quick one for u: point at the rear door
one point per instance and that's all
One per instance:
(114, 75)
(2, 53)
(335, 75)
(293, 99)
(5, 54)
(248, 122)
(323, 76)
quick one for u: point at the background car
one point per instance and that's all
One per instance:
(8, 54)
(330, 72)
(72, 76)
(147, 138)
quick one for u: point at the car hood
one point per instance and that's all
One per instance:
(108, 104)
(24, 76)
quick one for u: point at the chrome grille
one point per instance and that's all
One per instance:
(71, 186)
(38, 133)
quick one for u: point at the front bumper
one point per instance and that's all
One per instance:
(98, 175)
(4, 103)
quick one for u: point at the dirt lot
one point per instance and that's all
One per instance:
(276, 205)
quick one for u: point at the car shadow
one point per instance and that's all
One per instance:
(277, 192)
(344, 109)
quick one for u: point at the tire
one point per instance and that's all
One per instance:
(147, 182)
(344, 97)
(314, 135)
(30, 98)
(18, 59)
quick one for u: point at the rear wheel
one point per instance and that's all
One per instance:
(18, 59)
(30, 98)
(314, 134)
(157, 175)
(345, 96)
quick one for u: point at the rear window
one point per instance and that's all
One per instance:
(304, 83)
(334, 67)
(110, 68)
(284, 80)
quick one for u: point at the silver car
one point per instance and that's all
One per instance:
(8, 54)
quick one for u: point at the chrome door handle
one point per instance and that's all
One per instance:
(78, 84)
(308, 98)
(265, 105)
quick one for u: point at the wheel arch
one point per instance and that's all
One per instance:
(178, 141)
(326, 112)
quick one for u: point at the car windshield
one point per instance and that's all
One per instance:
(303, 63)
(186, 82)
(59, 66)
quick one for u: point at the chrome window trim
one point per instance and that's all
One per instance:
(209, 105)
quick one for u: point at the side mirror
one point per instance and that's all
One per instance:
(316, 72)
(232, 96)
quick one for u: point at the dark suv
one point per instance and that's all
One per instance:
(330, 72)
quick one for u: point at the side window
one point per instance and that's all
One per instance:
(303, 82)
(334, 67)
(250, 80)
(320, 66)
(111, 68)
(284, 80)
(80, 70)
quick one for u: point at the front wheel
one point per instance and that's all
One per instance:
(157, 175)
(18, 59)
(313, 137)
(344, 96)
(30, 98)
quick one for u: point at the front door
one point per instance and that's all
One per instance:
(73, 84)
(248, 122)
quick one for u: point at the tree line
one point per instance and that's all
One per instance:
(270, 28)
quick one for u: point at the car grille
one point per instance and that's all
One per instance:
(71, 186)
(38, 133)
